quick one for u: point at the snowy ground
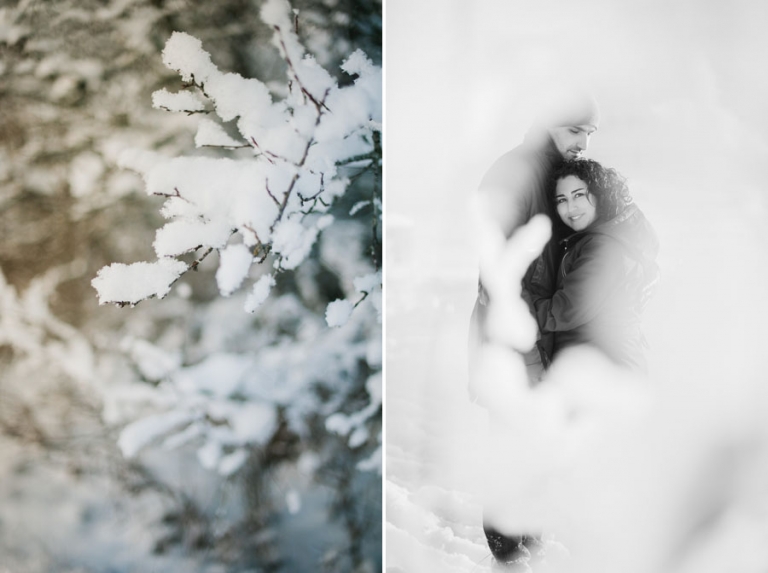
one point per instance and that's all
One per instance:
(434, 433)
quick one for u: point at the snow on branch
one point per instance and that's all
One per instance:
(130, 284)
(182, 101)
(271, 203)
(339, 311)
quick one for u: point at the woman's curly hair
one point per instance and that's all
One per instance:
(604, 183)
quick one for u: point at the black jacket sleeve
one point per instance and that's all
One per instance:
(593, 273)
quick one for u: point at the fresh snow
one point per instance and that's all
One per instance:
(293, 241)
(236, 261)
(119, 283)
(296, 144)
(259, 293)
(358, 64)
(230, 463)
(210, 133)
(185, 54)
(182, 236)
(180, 101)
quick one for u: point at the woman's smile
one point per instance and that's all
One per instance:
(574, 203)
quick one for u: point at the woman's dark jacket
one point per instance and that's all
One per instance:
(606, 277)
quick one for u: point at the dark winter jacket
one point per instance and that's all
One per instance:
(606, 277)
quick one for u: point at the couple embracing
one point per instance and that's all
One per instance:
(591, 283)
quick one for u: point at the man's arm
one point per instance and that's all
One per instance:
(506, 193)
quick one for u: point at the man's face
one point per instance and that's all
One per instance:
(571, 140)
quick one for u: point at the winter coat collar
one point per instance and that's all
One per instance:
(630, 227)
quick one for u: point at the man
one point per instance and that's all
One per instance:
(514, 191)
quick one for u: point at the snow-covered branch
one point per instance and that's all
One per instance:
(266, 196)
(275, 202)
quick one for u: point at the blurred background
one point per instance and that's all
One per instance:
(681, 87)
(76, 84)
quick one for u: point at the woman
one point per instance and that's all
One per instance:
(607, 272)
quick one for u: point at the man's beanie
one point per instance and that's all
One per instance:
(572, 109)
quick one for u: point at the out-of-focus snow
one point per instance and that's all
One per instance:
(344, 424)
(227, 401)
(219, 375)
(293, 501)
(230, 463)
(502, 266)
(85, 173)
(154, 363)
(338, 312)
(140, 433)
(259, 293)
(368, 283)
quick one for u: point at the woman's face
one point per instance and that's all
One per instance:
(575, 205)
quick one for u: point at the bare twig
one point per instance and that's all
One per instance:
(376, 201)
(300, 164)
(196, 262)
(243, 146)
(319, 104)
(187, 111)
(370, 156)
(175, 194)
(261, 248)
(192, 267)
(266, 153)
(269, 191)
(365, 295)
